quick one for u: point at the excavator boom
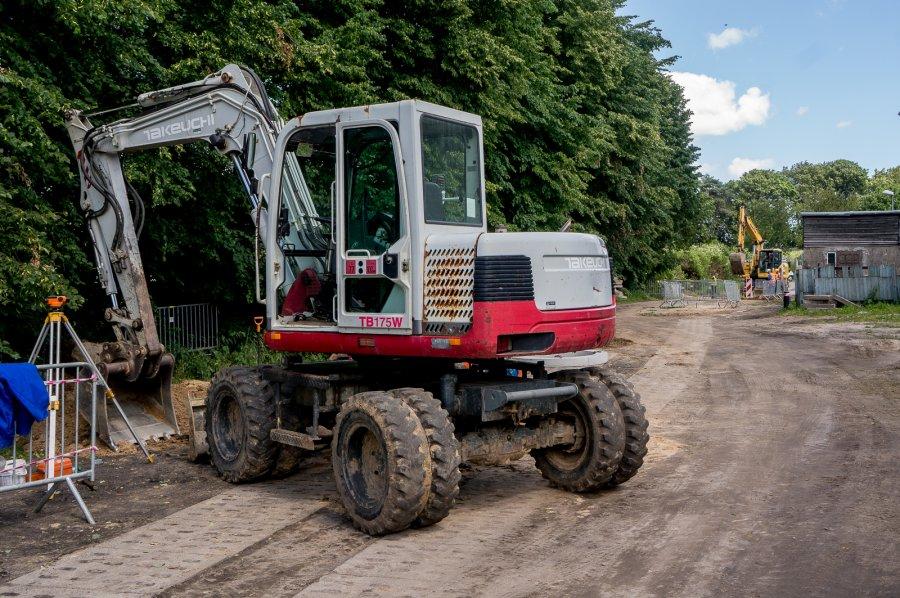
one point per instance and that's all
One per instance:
(228, 109)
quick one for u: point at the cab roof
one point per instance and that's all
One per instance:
(387, 111)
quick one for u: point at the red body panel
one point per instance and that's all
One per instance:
(574, 330)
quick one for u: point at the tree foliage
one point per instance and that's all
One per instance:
(775, 199)
(703, 260)
(580, 122)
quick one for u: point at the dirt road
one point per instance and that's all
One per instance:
(773, 470)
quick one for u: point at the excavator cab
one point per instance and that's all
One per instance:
(769, 261)
(368, 221)
(371, 171)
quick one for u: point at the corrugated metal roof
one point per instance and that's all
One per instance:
(825, 229)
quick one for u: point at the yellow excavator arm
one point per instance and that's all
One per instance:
(745, 222)
(738, 259)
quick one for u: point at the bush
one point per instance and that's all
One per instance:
(706, 260)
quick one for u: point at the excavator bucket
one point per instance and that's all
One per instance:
(737, 261)
(146, 402)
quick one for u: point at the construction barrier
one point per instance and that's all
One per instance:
(672, 294)
(678, 293)
(65, 450)
(732, 294)
(771, 289)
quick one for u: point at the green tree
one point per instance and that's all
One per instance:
(881, 181)
(771, 201)
(719, 212)
(829, 186)
(580, 119)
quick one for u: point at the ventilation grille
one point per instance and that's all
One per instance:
(449, 282)
(503, 278)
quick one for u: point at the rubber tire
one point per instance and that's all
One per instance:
(256, 453)
(603, 430)
(634, 414)
(407, 461)
(445, 458)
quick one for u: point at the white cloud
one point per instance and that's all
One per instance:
(706, 168)
(844, 124)
(739, 166)
(716, 111)
(730, 36)
(802, 110)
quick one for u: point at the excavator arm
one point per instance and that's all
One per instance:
(738, 259)
(228, 109)
(746, 223)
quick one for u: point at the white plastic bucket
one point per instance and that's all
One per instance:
(12, 473)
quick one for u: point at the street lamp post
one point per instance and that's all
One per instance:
(890, 194)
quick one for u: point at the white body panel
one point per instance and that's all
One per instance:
(570, 270)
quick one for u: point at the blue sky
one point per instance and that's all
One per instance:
(779, 82)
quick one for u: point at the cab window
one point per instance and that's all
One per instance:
(451, 165)
(372, 209)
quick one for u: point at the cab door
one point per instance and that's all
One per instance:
(372, 232)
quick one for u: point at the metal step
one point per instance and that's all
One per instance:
(291, 438)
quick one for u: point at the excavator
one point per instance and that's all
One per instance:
(455, 344)
(765, 263)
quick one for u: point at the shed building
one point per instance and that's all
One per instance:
(851, 239)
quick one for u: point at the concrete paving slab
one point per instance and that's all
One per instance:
(149, 559)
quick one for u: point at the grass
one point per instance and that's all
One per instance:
(875, 312)
(243, 348)
(636, 296)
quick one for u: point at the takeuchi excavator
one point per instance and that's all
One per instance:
(456, 344)
(765, 263)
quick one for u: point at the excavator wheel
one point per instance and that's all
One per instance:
(445, 457)
(240, 413)
(382, 462)
(593, 459)
(634, 415)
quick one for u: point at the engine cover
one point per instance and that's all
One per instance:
(567, 270)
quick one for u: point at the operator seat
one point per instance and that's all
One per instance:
(298, 300)
(434, 203)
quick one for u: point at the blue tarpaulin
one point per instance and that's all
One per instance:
(23, 400)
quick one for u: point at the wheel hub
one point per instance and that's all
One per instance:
(365, 468)
(228, 422)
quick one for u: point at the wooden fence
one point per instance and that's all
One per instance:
(850, 282)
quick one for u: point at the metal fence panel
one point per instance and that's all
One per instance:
(677, 293)
(772, 289)
(853, 283)
(672, 293)
(732, 294)
(191, 327)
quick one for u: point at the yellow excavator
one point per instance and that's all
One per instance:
(765, 263)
